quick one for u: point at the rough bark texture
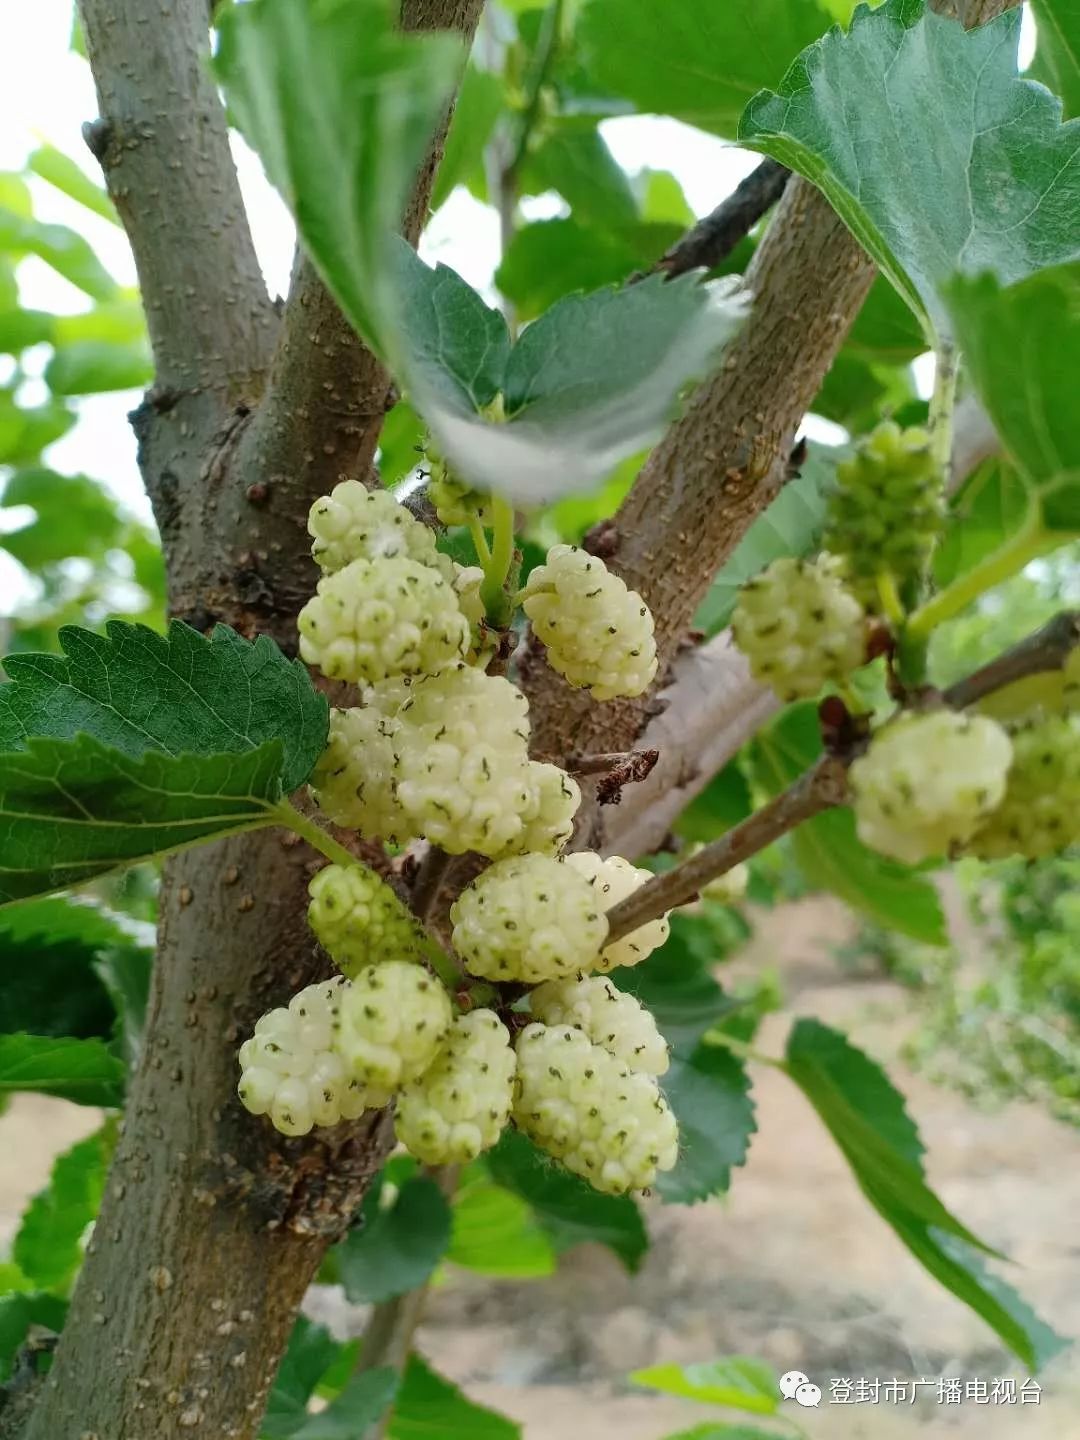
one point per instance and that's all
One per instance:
(212, 1225)
(720, 465)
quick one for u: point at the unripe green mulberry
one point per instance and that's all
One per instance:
(607, 1016)
(456, 502)
(887, 511)
(550, 820)
(394, 1017)
(462, 771)
(605, 1122)
(598, 633)
(353, 781)
(379, 618)
(928, 781)
(613, 880)
(290, 1068)
(528, 918)
(799, 626)
(1040, 813)
(460, 1105)
(354, 523)
(359, 920)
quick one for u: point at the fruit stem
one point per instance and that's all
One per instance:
(1029, 542)
(479, 540)
(319, 839)
(942, 403)
(892, 607)
(492, 592)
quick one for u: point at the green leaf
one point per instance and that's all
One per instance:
(17, 1314)
(829, 852)
(19, 329)
(431, 1408)
(736, 1381)
(398, 1247)
(92, 367)
(698, 61)
(571, 1211)
(479, 103)
(579, 165)
(998, 189)
(125, 971)
(496, 1233)
(47, 1245)
(137, 691)
(460, 346)
(67, 175)
(340, 107)
(73, 809)
(50, 987)
(363, 1401)
(61, 248)
(709, 1091)
(866, 1117)
(75, 516)
(723, 803)
(552, 258)
(25, 431)
(310, 1353)
(791, 525)
(1057, 55)
(1022, 347)
(80, 1070)
(118, 323)
(990, 507)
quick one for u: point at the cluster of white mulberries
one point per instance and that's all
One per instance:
(438, 749)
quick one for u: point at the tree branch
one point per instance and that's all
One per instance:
(715, 236)
(824, 785)
(163, 144)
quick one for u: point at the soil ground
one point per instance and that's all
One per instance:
(793, 1266)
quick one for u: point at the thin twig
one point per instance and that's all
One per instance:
(824, 785)
(713, 238)
(600, 764)
(820, 788)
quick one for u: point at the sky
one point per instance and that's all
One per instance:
(46, 93)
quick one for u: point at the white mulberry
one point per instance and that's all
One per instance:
(291, 1070)
(927, 783)
(462, 770)
(353, 781)
(359, 920)
(528, 918)
(598, 633)
(379, 618)
(394, 1017)
(460, 1105)
(354, 523)
(613, 880)
(549, 822)
(729, 888)
(606, 1123)
(799, 626)
(1040, 813)
(607, 1016)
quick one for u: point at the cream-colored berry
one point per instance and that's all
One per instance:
(607, 1016)
(799, 626)
(528, 918)
(598, 633)
(460, 1105)
(354, 523)
(359, 920)
(380, 618)
(353, 781)
(605, 1122)
(1040, 812)
(394, 1017)
(928, 781)
(549, 823)
(290, 1068)
(729, 888)
(612, 880)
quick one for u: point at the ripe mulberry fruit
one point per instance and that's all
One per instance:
(608, 1017)
(613, 880)
(460, 1105)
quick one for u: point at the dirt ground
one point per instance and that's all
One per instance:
(793, 1266)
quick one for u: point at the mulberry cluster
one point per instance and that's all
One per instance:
(598, 633)
(799, 626)
(887, 510)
